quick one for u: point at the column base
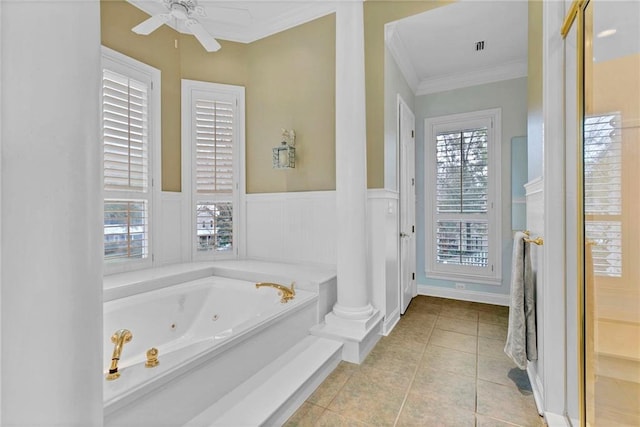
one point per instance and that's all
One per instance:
(358, 336)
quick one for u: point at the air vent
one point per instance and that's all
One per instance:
(480, 45)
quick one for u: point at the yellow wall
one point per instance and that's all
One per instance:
(289, 81)
(291, 85)
(376, 15)
(534, 89)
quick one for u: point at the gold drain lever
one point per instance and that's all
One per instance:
(152, 358)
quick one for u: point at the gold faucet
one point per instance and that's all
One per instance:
(285, 293)
(119, 338)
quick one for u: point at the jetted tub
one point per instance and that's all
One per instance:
(211, 334)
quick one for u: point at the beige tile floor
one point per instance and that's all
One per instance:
(442, 365)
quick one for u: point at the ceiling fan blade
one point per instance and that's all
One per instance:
(206, 40)
(151, 24)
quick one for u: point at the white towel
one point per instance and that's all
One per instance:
(521, 337)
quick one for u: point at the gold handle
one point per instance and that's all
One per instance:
(538, 241)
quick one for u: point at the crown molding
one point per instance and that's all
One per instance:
(312, 11)
(398, 50)
(506, 71)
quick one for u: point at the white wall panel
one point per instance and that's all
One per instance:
(383, 254)
(170, 230)
(265, 228)
(535, 224)
(301, 227)
(292, 226)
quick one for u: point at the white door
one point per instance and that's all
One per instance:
(407, 167)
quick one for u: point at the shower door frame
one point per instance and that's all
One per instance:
(575, 15)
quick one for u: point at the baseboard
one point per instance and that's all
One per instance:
(390, 322)
(556, 420)
(536, 386)
(464, 294)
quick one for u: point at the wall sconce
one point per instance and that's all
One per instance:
(284, 155)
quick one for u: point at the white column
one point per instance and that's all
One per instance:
(50, 213)
(351, 158)
(353, 319)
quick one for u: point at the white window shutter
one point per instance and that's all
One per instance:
(125, 119)
(214, 124)
(462, 191)
(125, 137)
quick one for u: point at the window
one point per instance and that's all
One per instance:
(213, 126)
(128, 134)
(603, 192)
(463, 188)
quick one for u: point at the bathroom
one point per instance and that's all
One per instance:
(52, 315)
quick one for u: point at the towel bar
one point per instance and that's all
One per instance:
(538, 240)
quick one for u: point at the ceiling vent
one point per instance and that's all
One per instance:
(479, 46)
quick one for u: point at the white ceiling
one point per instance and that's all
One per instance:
(246, 21)
(436, 49)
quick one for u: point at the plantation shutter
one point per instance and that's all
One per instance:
(125, 121)
(214, 127)
(603, 192)
(214, 146)
(125, 125)
(462, 188)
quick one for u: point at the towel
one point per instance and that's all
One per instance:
(521, 336)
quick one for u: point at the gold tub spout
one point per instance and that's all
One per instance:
(119, 338)
(285, 293)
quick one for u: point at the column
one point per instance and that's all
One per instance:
(51, 209)
(351, 161)
(353, 319)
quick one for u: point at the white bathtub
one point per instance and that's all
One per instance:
(211, 333)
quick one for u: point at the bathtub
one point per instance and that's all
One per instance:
(212, 334)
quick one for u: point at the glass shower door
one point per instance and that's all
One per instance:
(611, 203)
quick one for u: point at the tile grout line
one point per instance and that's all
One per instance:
(415, 373)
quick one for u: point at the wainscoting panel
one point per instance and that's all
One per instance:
(301, 227)
(170, 233)
(535, 224)
(292, 227)
(383, 255)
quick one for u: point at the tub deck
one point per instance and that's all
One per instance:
(202, 369)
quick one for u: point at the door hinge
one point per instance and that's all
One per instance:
(412, 134)
(413, 228)
(413, 182)
(413, 276)
(491, 267)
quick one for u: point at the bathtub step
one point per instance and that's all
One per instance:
(273, 394)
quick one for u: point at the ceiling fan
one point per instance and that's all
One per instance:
(181, 10)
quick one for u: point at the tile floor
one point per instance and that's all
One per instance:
(442, 365)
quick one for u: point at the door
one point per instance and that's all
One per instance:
(407, 167)
(611, 207)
